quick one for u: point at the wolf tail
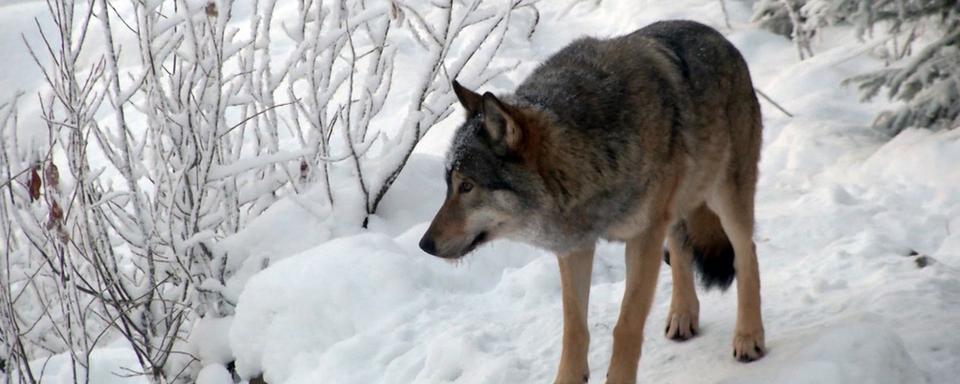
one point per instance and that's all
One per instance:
(700, 231)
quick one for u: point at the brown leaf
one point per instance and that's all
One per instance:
(55, 217)
(395, 12)
(34, 184)
(211, 9)
(52, 175)
(304, 170)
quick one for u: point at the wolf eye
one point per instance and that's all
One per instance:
(465, 187)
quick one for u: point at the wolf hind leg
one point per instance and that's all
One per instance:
(684, 316)
(733, 203)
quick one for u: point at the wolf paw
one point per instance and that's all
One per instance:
(682, 325)
(573, 380)
(748, 346)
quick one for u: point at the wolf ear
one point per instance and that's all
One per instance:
(468, 99)
(501, 125)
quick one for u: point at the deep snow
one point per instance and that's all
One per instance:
(839, 211)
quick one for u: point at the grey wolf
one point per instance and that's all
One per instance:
(641, 138)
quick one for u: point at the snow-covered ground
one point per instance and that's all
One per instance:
(858, 239)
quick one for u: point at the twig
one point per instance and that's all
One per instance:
(726, 16)
(767, 98)
(258, 113)
(10, 180)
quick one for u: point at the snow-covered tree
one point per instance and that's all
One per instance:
(927, 82)
(921, 48)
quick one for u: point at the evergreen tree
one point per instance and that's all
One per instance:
(926, 80)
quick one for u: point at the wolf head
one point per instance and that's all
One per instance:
(493, 188)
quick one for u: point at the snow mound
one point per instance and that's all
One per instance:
(864, 352)
(341, 304)
(214, 374)
(113, 364)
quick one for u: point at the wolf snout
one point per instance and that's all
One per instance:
(428, 245)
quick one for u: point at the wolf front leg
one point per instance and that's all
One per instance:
(643, 264)
(575, 270)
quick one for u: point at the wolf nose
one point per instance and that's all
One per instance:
(428, 246)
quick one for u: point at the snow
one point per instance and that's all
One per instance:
(17, 18)
(858, 351)
(844, 218)
(211, 340)
(214, 374)
(106, 367)
(28, 76)
(361, 288)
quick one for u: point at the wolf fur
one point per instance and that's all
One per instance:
(641, 138)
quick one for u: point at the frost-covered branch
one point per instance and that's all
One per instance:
(432, 99)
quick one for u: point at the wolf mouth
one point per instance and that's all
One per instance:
(480, 239)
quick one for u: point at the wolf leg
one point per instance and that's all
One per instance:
(643, 263)
(575, 270)
(683, 320)
(734, 206)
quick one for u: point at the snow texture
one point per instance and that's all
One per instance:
(214, 374)
(107, 366)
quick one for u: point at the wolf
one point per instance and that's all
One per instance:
(648, 137)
